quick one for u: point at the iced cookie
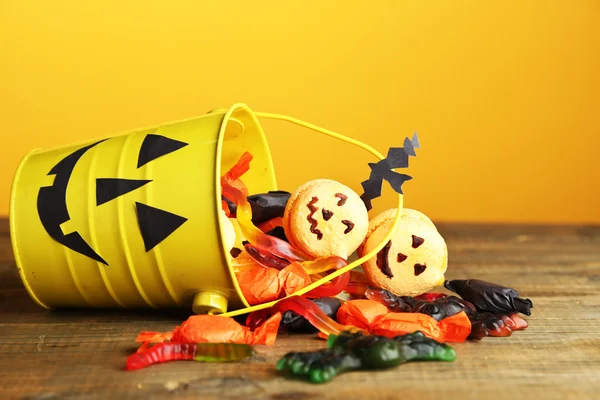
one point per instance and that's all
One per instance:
(325, 218)
(413, 261)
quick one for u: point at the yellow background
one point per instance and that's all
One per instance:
(504, 95)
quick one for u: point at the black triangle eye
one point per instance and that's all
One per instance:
(327, 214)
(419, 269)
(108, 189)
(417, 241)
(155, 146)
(156, 224)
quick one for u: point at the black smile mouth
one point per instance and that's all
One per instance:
(52, 205)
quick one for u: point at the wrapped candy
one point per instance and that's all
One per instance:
(369, 316)
(216, 329)
(260, 284)
(361, 313)
(268, 206)
(451, 329)
(294, 278)
(489, 297)
(376, 318)
(271, 224)
(277, 232)
(440, 306)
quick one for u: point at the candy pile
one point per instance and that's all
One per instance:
(380, 317)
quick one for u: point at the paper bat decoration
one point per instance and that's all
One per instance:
(397, 157)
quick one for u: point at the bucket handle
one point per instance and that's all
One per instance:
(353, 264)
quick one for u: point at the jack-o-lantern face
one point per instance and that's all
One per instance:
(325, 218)
(154, 223)
(413, 261)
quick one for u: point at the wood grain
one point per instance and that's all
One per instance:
(79, 354)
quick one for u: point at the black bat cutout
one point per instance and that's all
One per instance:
(397, 157)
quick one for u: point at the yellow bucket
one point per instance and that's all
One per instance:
(133, 220)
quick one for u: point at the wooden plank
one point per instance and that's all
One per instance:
(80, 353)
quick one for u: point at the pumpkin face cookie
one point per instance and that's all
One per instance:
(325, 218)
(413, 261)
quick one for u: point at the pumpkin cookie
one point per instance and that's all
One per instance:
(413, 261)
(325, 218)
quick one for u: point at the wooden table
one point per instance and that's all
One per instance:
(80, 353)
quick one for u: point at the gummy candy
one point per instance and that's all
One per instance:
(266, 259)
(293, 322)
(312, 313)
(390, 300)
(206, 352)
(254, 235)
(495, 325)
(333, 287)
(355, 351)
(232, 177)
(430, 296)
